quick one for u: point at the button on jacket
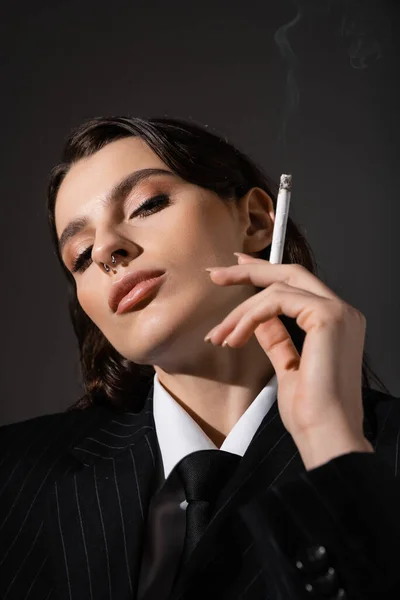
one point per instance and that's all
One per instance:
(76, 487)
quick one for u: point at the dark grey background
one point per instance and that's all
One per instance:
(328, 114)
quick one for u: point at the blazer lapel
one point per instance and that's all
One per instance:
(96, 514)
(271, 458)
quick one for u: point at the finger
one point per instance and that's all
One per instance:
(272, 336)
(257, 305)
(308, 310)
(281, 349)
(282, 352)
(261, 273)
(219, 333)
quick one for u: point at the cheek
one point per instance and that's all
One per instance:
(214, 228)
(92, 303)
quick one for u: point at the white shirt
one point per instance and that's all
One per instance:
(178, 435)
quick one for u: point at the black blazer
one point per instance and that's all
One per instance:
(75, 489)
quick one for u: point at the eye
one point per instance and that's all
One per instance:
(148, 207)
(81, 260)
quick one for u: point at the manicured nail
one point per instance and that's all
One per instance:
(214, 269)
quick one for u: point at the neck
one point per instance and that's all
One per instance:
(218, 389)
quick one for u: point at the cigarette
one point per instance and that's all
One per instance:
(281, 217)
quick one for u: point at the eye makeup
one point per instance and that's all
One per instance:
(146, 208)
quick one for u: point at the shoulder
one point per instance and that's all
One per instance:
(32, 439)
(382, 423)
(380, 410)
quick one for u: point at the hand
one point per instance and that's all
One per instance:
(319, 393)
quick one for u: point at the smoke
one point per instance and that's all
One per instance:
(363, 31)
(292, 95)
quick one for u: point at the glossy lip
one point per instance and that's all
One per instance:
(139, 292)
(125, 285)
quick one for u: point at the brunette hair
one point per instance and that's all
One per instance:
(202, 158)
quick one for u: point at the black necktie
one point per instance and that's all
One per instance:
(203, 475)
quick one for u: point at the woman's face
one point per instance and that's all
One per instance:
(191, 229)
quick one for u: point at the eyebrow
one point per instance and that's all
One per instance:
(118, 193)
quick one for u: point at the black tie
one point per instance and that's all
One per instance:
(203, 475)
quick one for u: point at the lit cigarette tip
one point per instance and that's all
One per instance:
(286, 182)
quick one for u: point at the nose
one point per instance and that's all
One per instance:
(111, 245)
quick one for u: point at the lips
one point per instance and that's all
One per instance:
(123, 286)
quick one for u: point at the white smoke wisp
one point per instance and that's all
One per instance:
(364, 28)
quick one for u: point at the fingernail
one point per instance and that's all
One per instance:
(214, 269)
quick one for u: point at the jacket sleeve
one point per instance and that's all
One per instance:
(333, 532)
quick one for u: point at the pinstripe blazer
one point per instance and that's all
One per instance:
(75, 489)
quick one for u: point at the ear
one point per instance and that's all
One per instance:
(258, 218)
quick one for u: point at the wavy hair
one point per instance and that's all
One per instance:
(199, 157)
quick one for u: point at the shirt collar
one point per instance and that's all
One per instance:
(178, 433)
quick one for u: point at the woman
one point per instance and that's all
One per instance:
(124, 495)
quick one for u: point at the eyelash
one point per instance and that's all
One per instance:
(142, 211)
